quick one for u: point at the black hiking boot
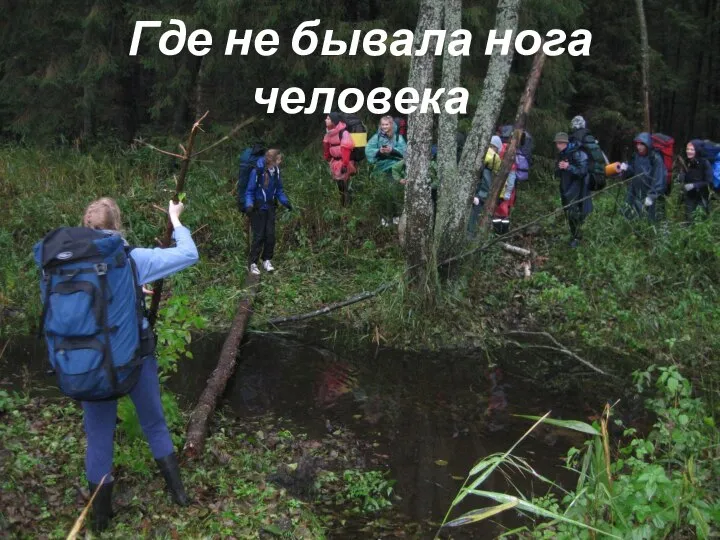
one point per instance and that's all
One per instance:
(171, 472)
(101, 506)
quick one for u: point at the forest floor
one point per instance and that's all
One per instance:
(256, 479)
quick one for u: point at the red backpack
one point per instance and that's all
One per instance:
(665, 145)
(402, 125)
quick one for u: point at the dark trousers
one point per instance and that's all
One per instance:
(100, 417)
(344, 189)
(262, 223)
(692, 201)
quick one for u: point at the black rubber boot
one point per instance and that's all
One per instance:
(171, 472)
(101, 506)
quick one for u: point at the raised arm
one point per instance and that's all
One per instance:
(157, 263)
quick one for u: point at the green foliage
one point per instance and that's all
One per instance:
(175, 323)
(10, 402)
(368, 491)
(660, 486)
(663, 484)
(173, 328)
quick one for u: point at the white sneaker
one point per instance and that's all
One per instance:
(268, 267)
(254, 270)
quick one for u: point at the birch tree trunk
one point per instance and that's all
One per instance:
(645, 57)
(418, 203)
(447, 158)
(457, 189)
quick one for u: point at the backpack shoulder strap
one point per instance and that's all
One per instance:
(138, 286)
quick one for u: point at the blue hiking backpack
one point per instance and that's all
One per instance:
(92, 314)
(248, 162)
(711, 151)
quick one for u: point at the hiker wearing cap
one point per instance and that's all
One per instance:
(696, 181)
(646, 170)
(386, 147)
(337, 149)
(491, 166)
(571, 167)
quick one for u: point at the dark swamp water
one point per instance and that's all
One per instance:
(431, 417)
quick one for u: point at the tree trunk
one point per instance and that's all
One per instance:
(185, 101)
(198, 425)
(454, 198)
(447, 158)
(418, 203)
(524, 107)
(199, 94)
(645, 59)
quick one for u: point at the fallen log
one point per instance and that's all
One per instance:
(559, 347)
(516, 250)
(332, 307)
(198, 425)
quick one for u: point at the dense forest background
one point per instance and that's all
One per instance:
(66, 76)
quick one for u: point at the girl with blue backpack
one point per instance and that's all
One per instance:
(263, 189)
(148, 264)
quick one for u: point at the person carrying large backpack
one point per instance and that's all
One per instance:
(338, 147)
(696, 181)
(648, 185)
(100, 344)
(571, 169)
(248, 161)
(580, 134)
(491, 166)
(264, 188)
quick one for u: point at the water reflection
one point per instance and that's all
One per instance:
(431, 417)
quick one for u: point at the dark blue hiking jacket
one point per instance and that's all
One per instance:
(263, 197)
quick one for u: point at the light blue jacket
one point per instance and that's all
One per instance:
(157, 263)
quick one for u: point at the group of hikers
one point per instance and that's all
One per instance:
(582, 168)
(99, 340)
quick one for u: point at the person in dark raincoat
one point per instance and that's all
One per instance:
(571, 167)
(647, 187)
(696, 181)
(578, 130)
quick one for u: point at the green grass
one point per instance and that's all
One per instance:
(636, 291)
(324, 253)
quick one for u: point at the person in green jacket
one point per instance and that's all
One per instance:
(386, 147)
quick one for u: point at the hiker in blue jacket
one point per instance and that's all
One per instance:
(260, 199)
(696, 181)
(647, 189)
(571, 167)
(100, 416)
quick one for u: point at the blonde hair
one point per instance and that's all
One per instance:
(392, 123)
(103, 214)
(272, 156)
